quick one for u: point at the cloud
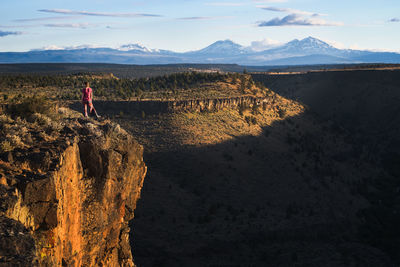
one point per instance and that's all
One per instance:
(296, 20)
(70, 25)
(269, 1)
(394, 20)
(16, 26)
(264, 44)
(98, 14)
(196, 18)
(291, 11)
(203, 18)
(224, 4)
(5, 33)
(335, 44)
(46, 18)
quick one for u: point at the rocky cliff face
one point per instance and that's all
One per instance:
(216, 104)
(156, 107)
(67, 200)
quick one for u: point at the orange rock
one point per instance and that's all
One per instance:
(77, 203)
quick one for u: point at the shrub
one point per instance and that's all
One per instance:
(264, 106)
(242, 107)
(242, 84)
(281, 112)
(255, 109)
(251, 120)
(30, 106)
(14, 140)
(5, 119)
(6, 146)
(40, 119)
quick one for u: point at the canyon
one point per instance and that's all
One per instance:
(305, 175)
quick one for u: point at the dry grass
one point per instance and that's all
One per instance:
(211, 128)
(18, 132)
(166, 131)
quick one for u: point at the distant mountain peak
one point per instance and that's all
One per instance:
(309, 41)
(224, 47)
(315, 41)
(136, 47)
(312, 39)
(307, 46)
(226, 41)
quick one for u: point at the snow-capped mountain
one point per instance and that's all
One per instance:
(226, 47)
(136, 47)
(307, 46)
(297, 52)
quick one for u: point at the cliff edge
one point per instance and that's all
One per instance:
(67, 191)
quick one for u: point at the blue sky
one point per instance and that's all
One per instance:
(184, 25)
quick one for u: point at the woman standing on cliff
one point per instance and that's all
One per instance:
(87, 98)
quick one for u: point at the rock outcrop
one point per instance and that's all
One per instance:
(67, 200)
(156, 106)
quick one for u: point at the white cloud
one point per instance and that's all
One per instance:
(16, 26)
(335, 44)
(99, 14)
(297, 20)
(46, 18)
(269, 1)
(224, 4)
(264, 44)
(291, 11)
(356, 47)
(204, 18)
(70, 25)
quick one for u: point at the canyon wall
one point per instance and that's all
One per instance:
(67, 200)
(158, 106)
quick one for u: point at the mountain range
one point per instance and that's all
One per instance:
(297, 52)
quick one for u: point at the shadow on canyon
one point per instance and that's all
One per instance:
(304, 193)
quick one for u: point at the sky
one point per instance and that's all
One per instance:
(187, 25)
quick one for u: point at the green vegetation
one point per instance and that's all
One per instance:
(120, 70)
(31, 105)
(175, 86)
